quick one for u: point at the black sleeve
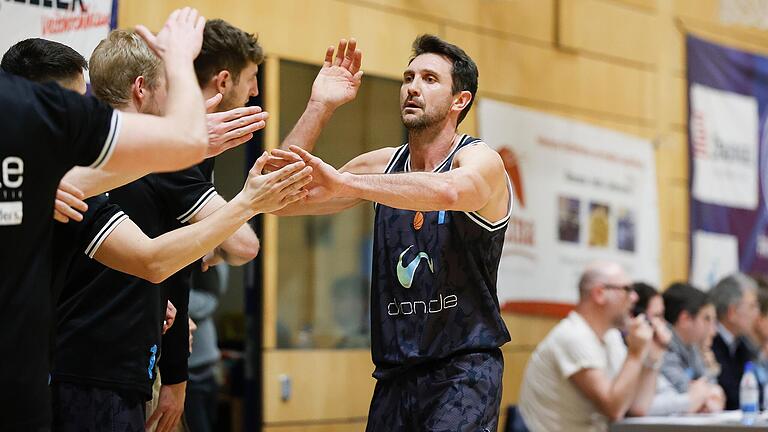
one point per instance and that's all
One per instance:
(173, 363)
(184, 192)
(86, 129)
(103, 217)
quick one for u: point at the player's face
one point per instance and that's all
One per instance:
(237, 94)
(426, 95)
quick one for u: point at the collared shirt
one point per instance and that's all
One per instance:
(728, 337)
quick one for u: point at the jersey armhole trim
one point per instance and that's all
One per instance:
(104, 232)
(501, 223)
(111, 142)
(201, 202)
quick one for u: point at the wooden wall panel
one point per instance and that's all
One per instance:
(526, 18)
(349, 426)
(301, 30)
(327, 384)
(610, 29)
(514, 69)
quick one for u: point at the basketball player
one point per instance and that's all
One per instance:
(48, 130)
(443, 204)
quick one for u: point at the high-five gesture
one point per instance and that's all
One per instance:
(180, 38)
(339, 80)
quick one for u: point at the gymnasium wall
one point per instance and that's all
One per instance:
(614, 63)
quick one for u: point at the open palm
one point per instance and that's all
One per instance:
(339, 79)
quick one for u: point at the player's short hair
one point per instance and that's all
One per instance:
(43, 60)
(226, 47)
(464, 73)
(681, 296)
(116, 63)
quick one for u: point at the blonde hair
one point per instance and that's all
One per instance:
(116, 63)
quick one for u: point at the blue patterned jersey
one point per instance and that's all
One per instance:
(433, 286)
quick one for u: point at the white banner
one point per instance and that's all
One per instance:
(80, 24)
(582, 193)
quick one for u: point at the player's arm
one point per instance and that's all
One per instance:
(239, 248)
(477, 183)
(129, 250)
(336, 84)
(225, 130)
(372, 162)
(179, 138)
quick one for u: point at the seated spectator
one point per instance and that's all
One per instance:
(735, 300)
(582, 375)
(683, 384)
(759, 334)
(649, 301)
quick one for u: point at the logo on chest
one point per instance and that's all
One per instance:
(11, 180)
(406, 273)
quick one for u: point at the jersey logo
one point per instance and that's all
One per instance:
(152, 359)
(405, 273)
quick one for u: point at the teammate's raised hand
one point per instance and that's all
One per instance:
(231, 128)
(180, 38)
(266, 193)
(339, 79)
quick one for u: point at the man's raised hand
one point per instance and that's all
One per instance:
(339, 79)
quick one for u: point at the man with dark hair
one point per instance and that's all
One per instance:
(438, 236)
(691, 315)
(228, 63)
(48, 130)
(42, 60)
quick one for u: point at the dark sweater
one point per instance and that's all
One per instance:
(732, 367)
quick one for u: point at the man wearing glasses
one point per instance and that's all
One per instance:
(581, 376)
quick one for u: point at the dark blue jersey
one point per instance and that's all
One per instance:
(433, 289)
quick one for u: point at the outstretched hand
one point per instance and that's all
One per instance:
(234, 127)
(267, 193)
(326, 180)
(339, 79)
(180, 38)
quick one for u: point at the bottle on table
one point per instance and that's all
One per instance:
(749, 396)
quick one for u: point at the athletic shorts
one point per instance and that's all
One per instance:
(79, 408)
(459, 394)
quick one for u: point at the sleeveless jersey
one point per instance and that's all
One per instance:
(433, 285)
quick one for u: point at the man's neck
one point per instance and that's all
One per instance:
(430, 146)
(683, 336)
(595, 319)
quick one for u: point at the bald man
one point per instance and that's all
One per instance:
(582, 375)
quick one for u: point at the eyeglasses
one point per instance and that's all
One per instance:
(627, 288)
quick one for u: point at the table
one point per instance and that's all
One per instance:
(729, 421)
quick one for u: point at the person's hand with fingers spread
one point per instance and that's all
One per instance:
(327, 181)
(69, 203)
(266, 193)
(179, 40)
(231, 128)
(339, 79)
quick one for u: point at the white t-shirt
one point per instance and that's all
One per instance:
(549, 402)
